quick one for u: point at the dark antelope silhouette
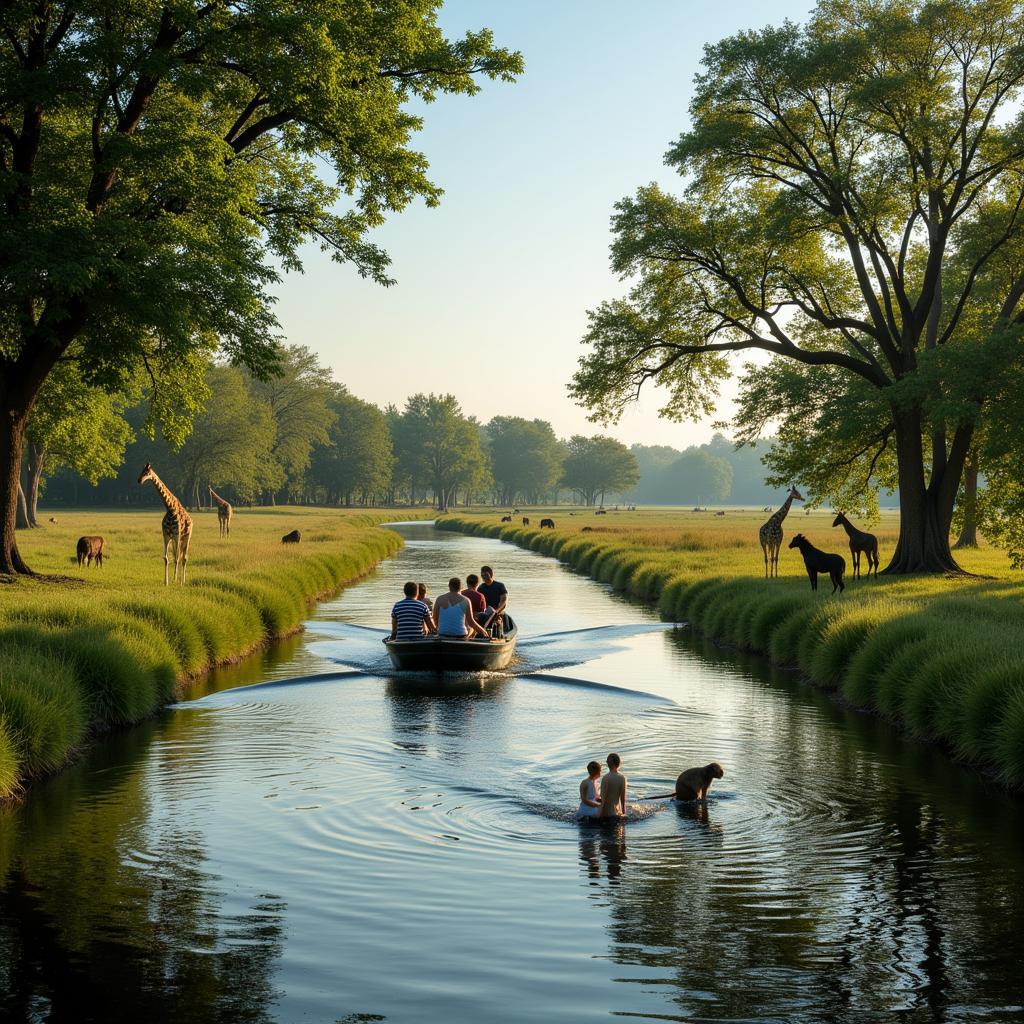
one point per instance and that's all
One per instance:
(89, 549)
(820, 561)
(860, 542)
(547, 524)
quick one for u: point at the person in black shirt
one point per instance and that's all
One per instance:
(496, 595)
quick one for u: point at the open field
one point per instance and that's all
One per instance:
(105, 646)
(944, 658)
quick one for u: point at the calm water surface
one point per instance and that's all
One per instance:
(337, 844)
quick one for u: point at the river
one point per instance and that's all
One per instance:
(337, 844)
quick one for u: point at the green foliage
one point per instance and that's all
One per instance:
(526, 459)
(596, 465)
(822, 219)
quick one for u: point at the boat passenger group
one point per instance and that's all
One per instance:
(461, 614)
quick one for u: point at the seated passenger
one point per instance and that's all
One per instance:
(453, 614)
(476, 599)
(410, 619)
(495, 593)
(422, 596)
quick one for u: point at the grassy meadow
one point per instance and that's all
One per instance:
(86, 649)
(943, 658)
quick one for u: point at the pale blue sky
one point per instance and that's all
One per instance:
(493, 286)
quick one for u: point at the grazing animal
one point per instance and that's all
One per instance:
(224, 513)
(506, 519)
(770, 535)
(587, 529)
(719, 513)
(89, 548)
(820, 561)
(860, 542)
(53, 520)
(547, 524)
(693, 784)
(176, 525)
(515, 511)
(526, 520)
(291, 538)
(601, 512)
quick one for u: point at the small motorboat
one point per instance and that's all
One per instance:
(438, 654)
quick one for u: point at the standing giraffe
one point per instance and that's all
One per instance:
(176, 525)
(224, 512)
(771, 535)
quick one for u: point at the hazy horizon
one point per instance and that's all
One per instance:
(493, 286)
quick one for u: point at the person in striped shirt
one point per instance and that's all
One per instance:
(410, 619)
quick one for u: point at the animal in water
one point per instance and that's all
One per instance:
(601, 512)
(506, 519)
(820, 561)
(770, 534)
(291, 538)
(860, 543)
(176, 526)
(53, 519)
(587, 529)
(547, 524)
(693, 783)
(526, 520)
(224, 513)
(89, 548)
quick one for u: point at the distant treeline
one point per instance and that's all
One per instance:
(301, 437)
(714, 473)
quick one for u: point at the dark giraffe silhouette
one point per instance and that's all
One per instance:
(860, 542)
(770, 534)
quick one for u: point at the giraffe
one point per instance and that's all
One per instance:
(771, 534)
(176, 525)
(224, 512)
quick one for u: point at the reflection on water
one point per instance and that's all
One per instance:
(344, 845)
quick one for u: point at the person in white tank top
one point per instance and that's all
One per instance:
(590, 793)
(453, 614)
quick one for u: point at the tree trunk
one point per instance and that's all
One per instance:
(925, 511)
(12, 449)
(969, 531)
(36, 461)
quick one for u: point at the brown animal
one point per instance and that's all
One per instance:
(175, 527)
(601, 512)
(506, 519)
(719, 513)
(770, 534)
(526, 520)
(89, 548)
(53, 520)
(693, 784)
(547, 524)
(587, 529)
(291, 538)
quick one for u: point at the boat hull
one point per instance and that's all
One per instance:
(433, 654)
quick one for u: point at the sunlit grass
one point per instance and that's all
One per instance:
(942, 657)
(105, 646)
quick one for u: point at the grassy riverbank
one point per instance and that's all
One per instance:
(943, 658)
(104, 647)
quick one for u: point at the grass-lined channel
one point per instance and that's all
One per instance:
(357, 848)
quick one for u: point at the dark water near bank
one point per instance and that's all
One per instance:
(358, 848)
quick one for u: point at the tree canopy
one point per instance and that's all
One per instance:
(598, 465)
(160, 162)
(850, 187)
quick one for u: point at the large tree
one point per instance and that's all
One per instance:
(158, 161)
(850, 186)
(526, 459)
(596, 465)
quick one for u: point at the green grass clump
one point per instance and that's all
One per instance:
(942, 657)
(42, 707)
(107, 646)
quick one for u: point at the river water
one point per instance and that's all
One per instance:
(337, 844)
